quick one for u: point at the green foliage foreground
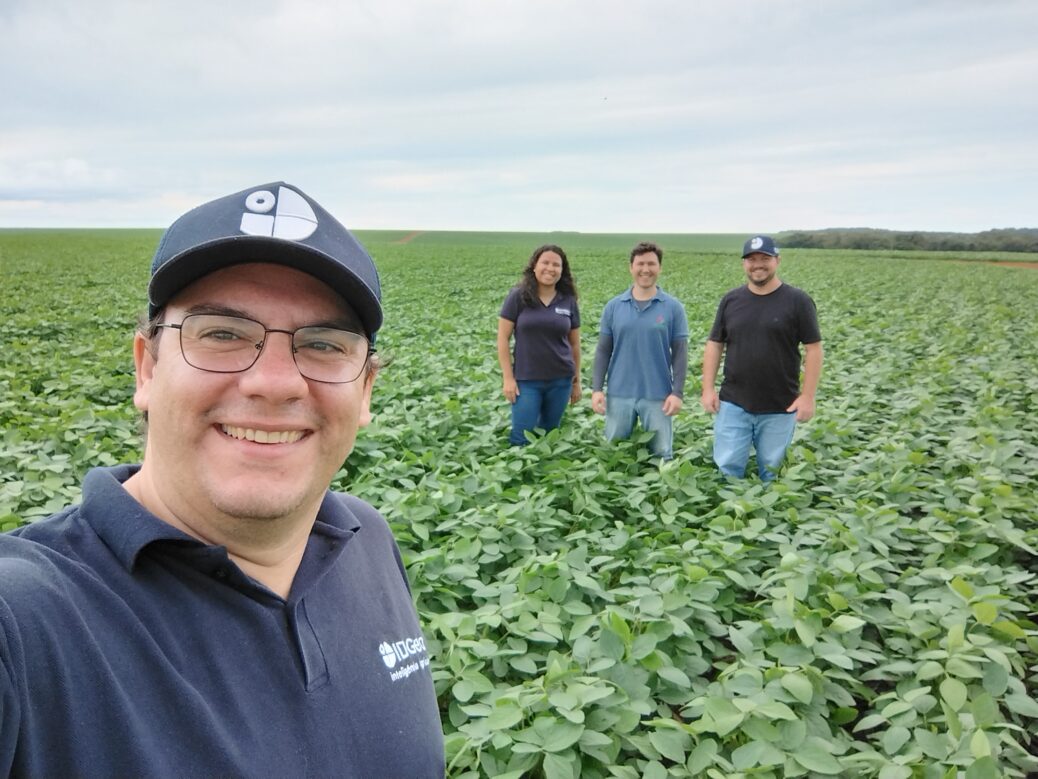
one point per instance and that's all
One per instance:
(594, 614)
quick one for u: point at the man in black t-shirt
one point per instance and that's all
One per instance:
(759, 328)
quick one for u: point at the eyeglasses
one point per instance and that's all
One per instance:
(232, 344)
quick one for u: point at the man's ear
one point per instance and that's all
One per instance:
(144, 366)
(364, 417)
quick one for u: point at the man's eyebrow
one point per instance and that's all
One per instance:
(209, 308)
(339, 323)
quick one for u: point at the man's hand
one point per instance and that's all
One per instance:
(598, 402)
(709, 400)
(576, 392)
(672, 405)
(804, 405)
(511, 390)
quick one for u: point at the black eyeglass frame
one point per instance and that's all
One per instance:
(259, 346)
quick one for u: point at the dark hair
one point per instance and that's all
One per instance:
(647, 247)
(528, 282)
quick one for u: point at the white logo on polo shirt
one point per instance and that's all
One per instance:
(388, 655)
(293, 218)
(407, 649)
(563, 311)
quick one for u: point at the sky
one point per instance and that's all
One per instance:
(528, 115)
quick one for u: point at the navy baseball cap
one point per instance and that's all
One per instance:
(764, 244)
(275, 223)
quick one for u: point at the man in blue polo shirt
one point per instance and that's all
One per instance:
(216, 610)
(642, 355)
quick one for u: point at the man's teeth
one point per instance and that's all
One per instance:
(263, 436)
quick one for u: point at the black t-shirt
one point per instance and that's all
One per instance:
(762, 336)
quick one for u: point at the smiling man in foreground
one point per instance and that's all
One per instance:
(217, 611)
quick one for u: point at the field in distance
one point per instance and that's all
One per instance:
(593, 614)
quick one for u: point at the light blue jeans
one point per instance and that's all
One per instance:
(539, 404)
(736, 430)
(621, 414)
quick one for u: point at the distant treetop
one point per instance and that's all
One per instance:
(1023, 239)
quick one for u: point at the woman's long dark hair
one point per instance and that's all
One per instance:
(528, 282)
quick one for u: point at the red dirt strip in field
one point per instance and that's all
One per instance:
(410, 237)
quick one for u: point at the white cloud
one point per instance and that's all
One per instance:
(525, 114)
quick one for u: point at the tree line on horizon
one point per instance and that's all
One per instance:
(1024, 239)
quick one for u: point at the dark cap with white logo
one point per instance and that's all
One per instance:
(270, 223)
(764, 244)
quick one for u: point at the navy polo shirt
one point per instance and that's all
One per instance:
(542, 348)
(128, 648)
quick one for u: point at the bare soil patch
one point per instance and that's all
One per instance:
(409, 237)
(1003, 263)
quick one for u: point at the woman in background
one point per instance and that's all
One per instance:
(541, 311)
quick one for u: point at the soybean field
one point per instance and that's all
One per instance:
(592, 613)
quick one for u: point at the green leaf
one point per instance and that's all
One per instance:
(814, 758)
(896, 707)
(672, 744)
(996, 679)
(702, 756)
(871, 721)
(756, 753)
(954, 693)
(979, 745)
(799, 686)
(961, 587)
(724, 716)
(562, 735)
(984, 710)
(846, 623)
(504, 716)
(776, 710)
(807, 634)
(894, 739)
(564, 766)
(1007, 628)
(929, 670)
(983, 768)
(984, 612)
(675, 676)
(935, 745)
(1018, 703)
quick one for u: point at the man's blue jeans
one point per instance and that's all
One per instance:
(539, 404)
(736, 430)
(621, 414)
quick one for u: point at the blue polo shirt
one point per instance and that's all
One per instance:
(640, 366)
(128, 648)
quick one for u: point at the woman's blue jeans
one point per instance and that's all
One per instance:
(736, 430)
(540, 404)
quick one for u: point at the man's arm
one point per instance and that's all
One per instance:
(574, 347)
(711, 363)
(603, 353)
(505, 327)
(679, 366)
(804, 405)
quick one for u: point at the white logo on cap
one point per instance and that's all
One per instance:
(293, 220)
(756, 243)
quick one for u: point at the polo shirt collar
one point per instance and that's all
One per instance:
(126, 527)
(629, 294)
